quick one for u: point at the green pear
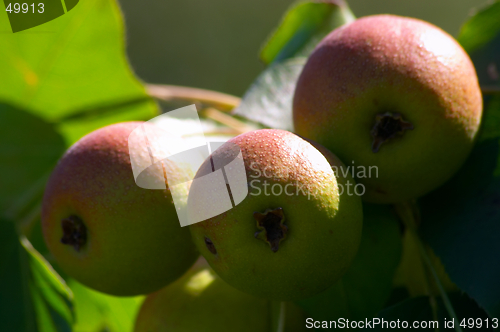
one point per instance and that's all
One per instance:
(104, 230)
(201, 301)
(397, 99)
(294, 234)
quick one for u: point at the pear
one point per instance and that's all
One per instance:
(201, 301)
(294, 234)
(104, 230)
(395, 98)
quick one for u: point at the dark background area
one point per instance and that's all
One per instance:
(214, 44)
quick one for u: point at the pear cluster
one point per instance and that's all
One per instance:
(395, 98)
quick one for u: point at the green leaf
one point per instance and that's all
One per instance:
(52, 288)
(98, 116)
(29, 148)
(367, 285)
(34, 297)
(490, 127)
(304, 22)
(460, 219)
(70, 4)
(75, 61)
(480, 36)
(481, 28)
(419, 310)
(268, 101)
(96, 312)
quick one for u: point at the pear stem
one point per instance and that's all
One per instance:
(490, 90)
(409, 214)
(238, 126)
(278, 312)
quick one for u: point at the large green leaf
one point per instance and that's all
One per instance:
(94, 117)
(268, 101)
(480, 36)
(304, 24)
(461, 219)
(75, 61)
(367, 285)
(29, 147)
(33, 297)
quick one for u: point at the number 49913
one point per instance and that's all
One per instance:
(25, 8)
(479, 323)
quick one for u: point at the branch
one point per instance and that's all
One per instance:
(215, 99)
(236, 125)
(409, 214)
(490, 90)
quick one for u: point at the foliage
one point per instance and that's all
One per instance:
(269, 99)
(34, 297)
(60, 81)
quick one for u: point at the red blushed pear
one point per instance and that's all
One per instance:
(104, 230)
(294, 234)
(393, 95)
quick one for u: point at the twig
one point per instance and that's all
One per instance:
(281, 320)
(219, 132)
(446, 300)
(215, 99)
(490, 90)
(408, 212)
(227, 120)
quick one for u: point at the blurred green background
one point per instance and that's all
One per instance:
(213, 44)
